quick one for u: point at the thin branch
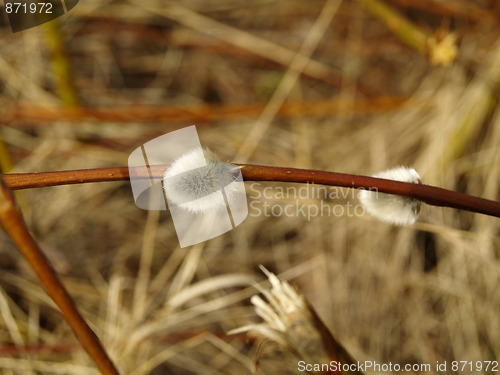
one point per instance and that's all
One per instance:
(429, 194)
(14, 225)
(30, 113)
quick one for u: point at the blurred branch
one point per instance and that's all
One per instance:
(5, 159)
(60, 65)
(476, 108)
(15, 227)
(69, 347)
(337, 352)
(6, 166)
(429, 194)
(30, 113)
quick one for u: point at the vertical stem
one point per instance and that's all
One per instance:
(14, 225)
(61, 66)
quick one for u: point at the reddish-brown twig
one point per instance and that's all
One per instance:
(14, 225)
(429, 194)
(22, 113)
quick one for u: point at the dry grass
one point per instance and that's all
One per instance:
(404, 295)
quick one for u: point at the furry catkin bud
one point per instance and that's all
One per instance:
(389, 207)
(198, 182)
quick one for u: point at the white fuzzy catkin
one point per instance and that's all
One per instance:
(198, 182)
(389, 207)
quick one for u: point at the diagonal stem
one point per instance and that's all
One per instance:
(15, 226)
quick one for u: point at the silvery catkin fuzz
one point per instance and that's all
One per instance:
(198, 182)
(391, 208)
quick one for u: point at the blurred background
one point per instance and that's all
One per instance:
(323, 85)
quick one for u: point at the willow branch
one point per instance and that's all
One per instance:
(33, 114)
(15, 227)
(429, 194)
